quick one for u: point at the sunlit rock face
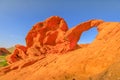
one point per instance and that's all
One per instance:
(52, 53)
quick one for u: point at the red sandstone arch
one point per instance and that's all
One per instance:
(51, 36)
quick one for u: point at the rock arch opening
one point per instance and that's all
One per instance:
(88, 36)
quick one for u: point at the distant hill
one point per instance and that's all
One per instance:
(4, 51)
(11, 49)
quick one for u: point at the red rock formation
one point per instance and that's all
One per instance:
(51, 36)
(46, 35)
(73, 35)
(47, 39)
(43, 38)
(4, 51)
(18, 54)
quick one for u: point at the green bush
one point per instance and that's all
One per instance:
(3, 61)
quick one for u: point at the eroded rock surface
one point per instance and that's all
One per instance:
(52, 53)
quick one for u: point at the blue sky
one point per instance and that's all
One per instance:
(18, 16)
